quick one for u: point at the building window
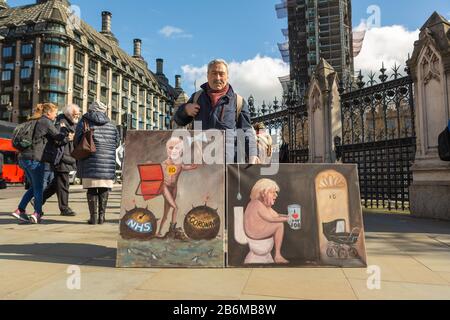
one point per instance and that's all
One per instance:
(79, 58)
(91, 99)
(53, 79)
(77, 36)
(93, 66)
(54, 54)
(8, 52)
(78, 97)
(78, 101)
(25, 73)
(56, 27)
(115, 82)
(92, 87)
(5, 99)
(125, 103)
(7, 75)
(125, 85)
(26, 95)
(91, 46)
(27, 49)
(78, 80)
(28, 64)
(27, 69)
(104, 77)
(104, 95)
(58, 99)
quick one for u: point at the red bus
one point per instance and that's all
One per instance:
(12, 173)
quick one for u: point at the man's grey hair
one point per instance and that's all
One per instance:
(69, 109)
(217, 61)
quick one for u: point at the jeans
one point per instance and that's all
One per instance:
(35, 175)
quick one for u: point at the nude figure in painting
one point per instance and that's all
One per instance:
(172, 168)
(261, 221)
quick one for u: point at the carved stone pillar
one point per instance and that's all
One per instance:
(430, 69)
(324, 113)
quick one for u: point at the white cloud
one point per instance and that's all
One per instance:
(174, 32)
(257, 77)
(390, 44)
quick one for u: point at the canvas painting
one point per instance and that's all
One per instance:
(173, 201)
(305, 215)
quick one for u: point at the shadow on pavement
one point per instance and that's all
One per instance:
(402, 223)
(60, 253)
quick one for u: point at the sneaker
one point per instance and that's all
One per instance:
(32, 203)
(35, 218)
(21, 215)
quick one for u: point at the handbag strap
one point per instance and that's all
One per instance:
(86, 126)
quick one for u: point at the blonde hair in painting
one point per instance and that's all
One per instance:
(262, 186)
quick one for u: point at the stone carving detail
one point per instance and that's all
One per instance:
(315, 100)
(430, 66)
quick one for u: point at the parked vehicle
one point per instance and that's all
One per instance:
(12, 173)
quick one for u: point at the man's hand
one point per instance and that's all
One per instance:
(70, 136)
(192, 109)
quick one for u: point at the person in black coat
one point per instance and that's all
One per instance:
(61, 184)
(98, 171)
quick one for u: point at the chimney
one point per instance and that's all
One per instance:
(106, 22)
(159, 66)
(137, 48)
(177, 81)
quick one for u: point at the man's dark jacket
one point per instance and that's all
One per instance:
(67, 163)
(222, 117)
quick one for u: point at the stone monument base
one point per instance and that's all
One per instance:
(430, 191)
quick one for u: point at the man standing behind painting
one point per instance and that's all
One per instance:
(218, 106)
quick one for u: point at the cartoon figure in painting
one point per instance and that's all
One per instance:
(172, 168)
(260, 220)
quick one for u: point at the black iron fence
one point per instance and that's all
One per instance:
(378, 135)
(289, 122)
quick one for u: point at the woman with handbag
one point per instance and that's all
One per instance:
(96, 140)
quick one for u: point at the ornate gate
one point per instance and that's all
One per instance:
(290, 121)
(378, 134)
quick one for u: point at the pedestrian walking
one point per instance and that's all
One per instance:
(99, 169)
(61, 184)
(32, 159)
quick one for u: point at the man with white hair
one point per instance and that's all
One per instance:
(60, 184)
(218, 106)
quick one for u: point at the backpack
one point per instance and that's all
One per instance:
(22, 138)
(444, 145)
(239, 105)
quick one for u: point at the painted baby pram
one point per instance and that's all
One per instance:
(341, 243)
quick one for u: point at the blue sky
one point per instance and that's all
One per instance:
(236, 30)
